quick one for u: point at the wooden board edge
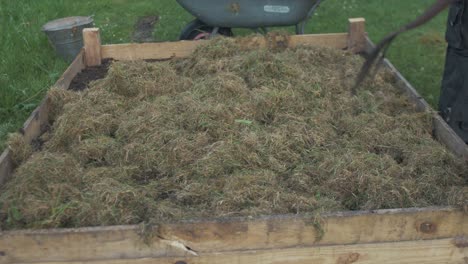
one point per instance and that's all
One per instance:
(33, 127)
(285, 217)
(449, 138)
(180, 49)
(38, 122)
(353, 40)
(6, 166)
(442, 131)
(75, 67)
(425, 251)
(385, 226)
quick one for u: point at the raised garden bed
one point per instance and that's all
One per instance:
(425, 235)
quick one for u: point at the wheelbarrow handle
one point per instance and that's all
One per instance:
(312, 10)
(300, 28)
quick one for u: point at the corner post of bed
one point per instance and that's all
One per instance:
(92, 46)
(357, 35)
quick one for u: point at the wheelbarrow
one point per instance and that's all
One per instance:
(214, 17)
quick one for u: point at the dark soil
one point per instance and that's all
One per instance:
(82, 79)
(36, 144)
(144, 29)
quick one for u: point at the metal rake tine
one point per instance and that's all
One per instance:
(375, 55)
(430, 13)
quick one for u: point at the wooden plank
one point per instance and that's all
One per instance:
(167, 50)
(75, 67)
(341, 228)
(333, 40)
(6, 166)
(37, 122)
(357, 35)
(232, 235)
(411, 252)
(449, 138)
(163, 50)
(92, 46)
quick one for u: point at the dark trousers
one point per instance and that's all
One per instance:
(453, 103)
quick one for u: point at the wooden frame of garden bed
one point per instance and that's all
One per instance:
(426, 235)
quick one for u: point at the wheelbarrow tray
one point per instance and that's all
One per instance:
(417, 235)
(248, 13)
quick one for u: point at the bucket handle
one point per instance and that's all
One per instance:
(74, 29)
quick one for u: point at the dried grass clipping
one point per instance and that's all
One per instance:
(230, 131)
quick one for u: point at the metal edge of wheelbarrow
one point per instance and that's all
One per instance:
(248, 13)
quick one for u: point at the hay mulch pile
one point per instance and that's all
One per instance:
(228, 132)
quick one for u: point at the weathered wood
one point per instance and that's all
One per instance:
(37, 122)
(92, 46)
(233, 235)
(357, 35)
(411, 252)
(180, 49)
(449, 138)
(6, 166)
(75, 67)
(345, 228)
(333, 40)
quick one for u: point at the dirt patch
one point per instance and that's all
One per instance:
(229, 131)
(143, 30)
(433, 39)
(89, 74)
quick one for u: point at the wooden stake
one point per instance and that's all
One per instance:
(357, 35)
(92, 46)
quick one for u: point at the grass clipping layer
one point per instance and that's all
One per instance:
(229, 131)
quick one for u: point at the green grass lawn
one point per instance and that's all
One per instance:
(28, 65)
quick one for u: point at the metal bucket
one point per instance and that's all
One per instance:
(65, 35)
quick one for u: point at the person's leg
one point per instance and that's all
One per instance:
(451, 84)
(453, 103)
